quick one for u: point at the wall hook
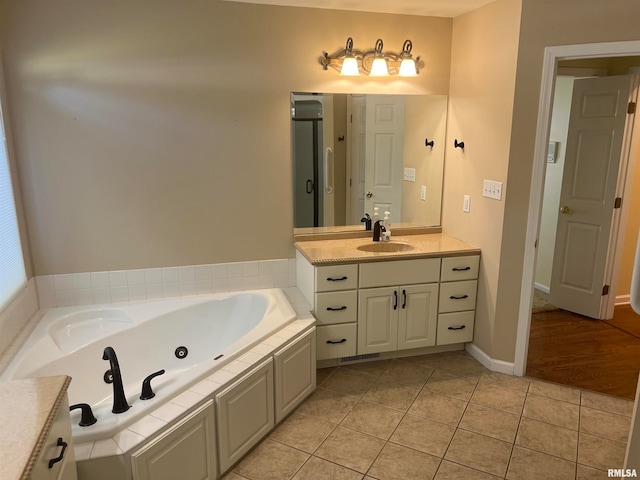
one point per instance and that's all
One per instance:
(341, 138)
(457, 144)
(428, 143)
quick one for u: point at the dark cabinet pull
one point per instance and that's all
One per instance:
(337, 309)
(338, 341)
(395, 299)
(460, 269)
(336, 279)
(309, 186)
(404, 298)
(457, 328)
(59, 458)
(461, 297)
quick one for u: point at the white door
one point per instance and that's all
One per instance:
(594, 146)
(384, 149)
(358, 149)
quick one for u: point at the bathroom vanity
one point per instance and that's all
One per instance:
(413, 295)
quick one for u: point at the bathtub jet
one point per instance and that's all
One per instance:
(120, 404)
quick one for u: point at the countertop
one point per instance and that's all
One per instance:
(27, 411)
(341, 251)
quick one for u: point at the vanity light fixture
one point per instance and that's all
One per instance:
(375, 62)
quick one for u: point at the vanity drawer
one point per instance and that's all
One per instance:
(456, 296)
(460, 268)
(455, 327)
(400, 272)
(336, 277)
(336, 307)
(336, 341)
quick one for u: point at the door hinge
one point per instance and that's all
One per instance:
(605, 290)
(631, 108)
(618, 202)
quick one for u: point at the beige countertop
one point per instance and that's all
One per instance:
(27, 411)
(340, 251)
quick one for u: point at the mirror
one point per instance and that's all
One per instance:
(353, 152)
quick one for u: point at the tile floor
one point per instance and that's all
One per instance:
(442, 416)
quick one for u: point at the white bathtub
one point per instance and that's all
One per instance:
(215, 329)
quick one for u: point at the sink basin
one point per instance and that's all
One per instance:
(387, 247)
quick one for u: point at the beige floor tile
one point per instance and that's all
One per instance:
(322, 374)
(407, 373)
(507, 381)
(526, 464)
(330, 406)
(271, 460)
(400, 463)
(303, 432)
(391, 394)
(438, 407)
(233, 476)
(599, 452)
(462, 366)
(453, 471)
(349, 383)
(424, 435)
(607, 403)
(477, 451)
(491, 422)
(373, 419)
(451, 385)
(350, 449)
(604, 424)
(500, 398)
(546, 438)
(319, 469)
(555, 391)
(433, 360)
(590, 473)
(552, 411)
(374, 369)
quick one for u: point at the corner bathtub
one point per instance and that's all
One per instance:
(215, 329)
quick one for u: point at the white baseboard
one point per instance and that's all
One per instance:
(623, 299)
(542, 288)
(491, 363)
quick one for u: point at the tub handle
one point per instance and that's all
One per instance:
(147, 392)
(87, 418)
(64, 445)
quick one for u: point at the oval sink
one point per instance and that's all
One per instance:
(387, 247)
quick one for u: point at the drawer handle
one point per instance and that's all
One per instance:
(332, 342)
(457, 328)
(336, 309)
(460, 269)
(330, 279)
(59, 458)
(460, 297)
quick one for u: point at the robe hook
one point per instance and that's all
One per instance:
(457, 144)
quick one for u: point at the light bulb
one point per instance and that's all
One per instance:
(408, 68)
(379, 68)
(350, 67)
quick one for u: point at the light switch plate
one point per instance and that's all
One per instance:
(423, 193)
(492, 189)
(410, 174)
(466, 206)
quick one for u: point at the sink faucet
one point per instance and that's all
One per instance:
(367, 221)
(377, 230)
(120, 404)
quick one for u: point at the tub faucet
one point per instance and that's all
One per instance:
(120, 404)
(377, 230)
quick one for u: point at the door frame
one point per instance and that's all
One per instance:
(552, 55)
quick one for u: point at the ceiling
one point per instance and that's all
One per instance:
(431, 8)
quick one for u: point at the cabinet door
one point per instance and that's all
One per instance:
(295, 370)
(418, 316)
(377, 320)
(185, 451)
(245, 414)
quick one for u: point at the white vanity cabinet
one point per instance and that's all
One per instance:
(398, 317)
(185, 451)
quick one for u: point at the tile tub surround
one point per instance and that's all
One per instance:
(13, 320)
(442, 416)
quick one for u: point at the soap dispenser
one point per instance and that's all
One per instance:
(386, 235)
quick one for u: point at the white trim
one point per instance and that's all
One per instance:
(623, 300)
(491, 363)
(551, 56)
(542, 288)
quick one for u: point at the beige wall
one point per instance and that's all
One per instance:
(484, 54)
(631, 233)
(157, 136)
(544, 23)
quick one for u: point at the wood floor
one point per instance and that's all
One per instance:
(598, 355)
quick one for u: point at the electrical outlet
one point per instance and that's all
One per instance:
(466, 206)
(410, 174)
(423, 193)
(491, 189)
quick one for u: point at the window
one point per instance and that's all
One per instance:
(13, 277)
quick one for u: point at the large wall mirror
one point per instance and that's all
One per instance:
(352, 153)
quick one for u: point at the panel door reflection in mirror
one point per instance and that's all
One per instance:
(350, 152)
